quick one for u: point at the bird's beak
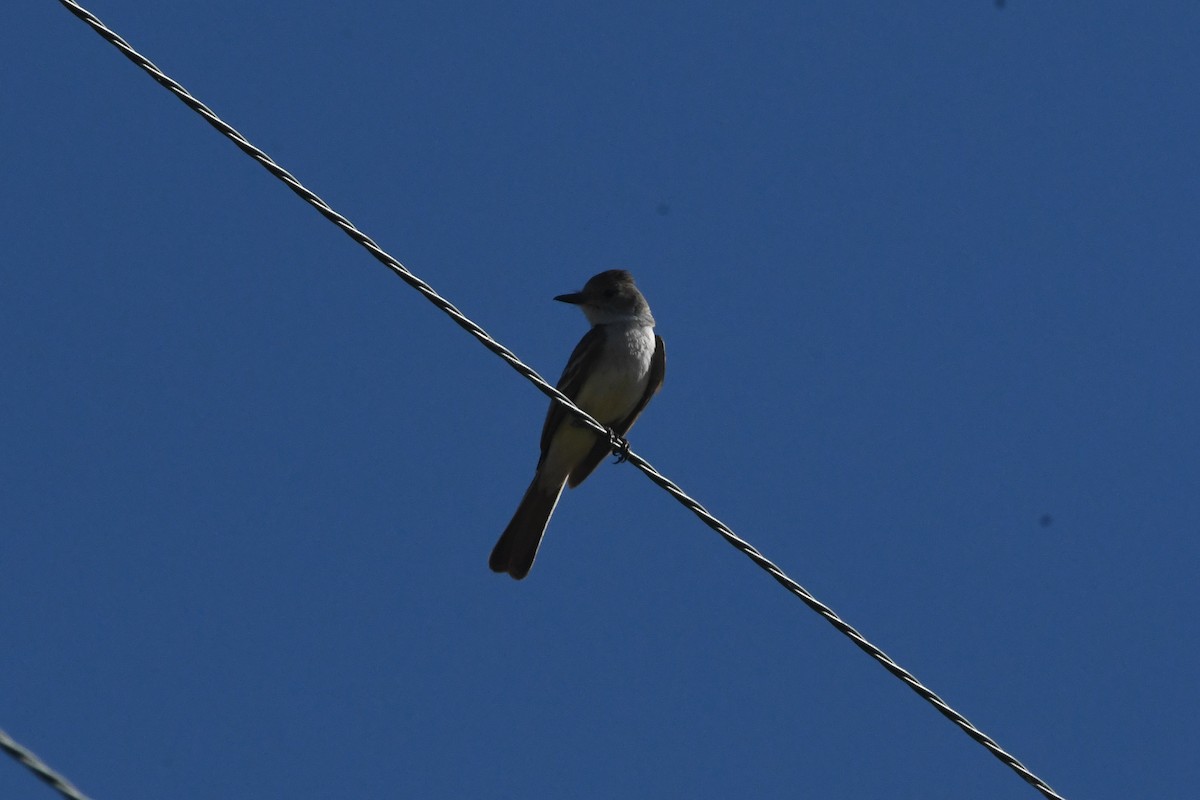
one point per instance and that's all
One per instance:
(575, 298)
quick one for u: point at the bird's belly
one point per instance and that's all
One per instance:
(611, 396)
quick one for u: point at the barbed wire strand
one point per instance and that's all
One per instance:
(39, 768)
(620, 447)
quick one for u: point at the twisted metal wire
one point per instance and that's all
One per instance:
(619, 445)
(39, 768)
(320, 205)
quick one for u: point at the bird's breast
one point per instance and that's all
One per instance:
(619, 378)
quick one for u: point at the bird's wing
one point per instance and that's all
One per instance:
(579, 366)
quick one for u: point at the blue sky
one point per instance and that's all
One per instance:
(927, 277)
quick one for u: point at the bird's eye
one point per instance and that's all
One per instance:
(610, 292)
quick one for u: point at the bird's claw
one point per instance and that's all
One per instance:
(620, 447)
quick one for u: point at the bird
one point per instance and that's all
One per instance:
(613, 372)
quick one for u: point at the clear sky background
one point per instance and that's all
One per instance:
(928, 280)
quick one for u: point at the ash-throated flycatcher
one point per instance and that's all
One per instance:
(615, 370)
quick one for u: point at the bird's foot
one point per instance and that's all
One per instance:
(620, 446)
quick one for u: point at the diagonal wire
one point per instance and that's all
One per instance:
(320, 205)
(39, 768)
(619, 445)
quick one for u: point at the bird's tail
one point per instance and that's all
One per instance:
(518, 545)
